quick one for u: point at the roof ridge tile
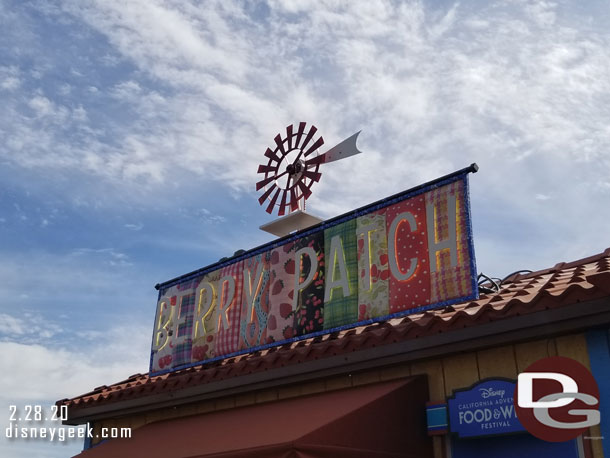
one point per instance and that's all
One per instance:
(564, 284)
(600, 280)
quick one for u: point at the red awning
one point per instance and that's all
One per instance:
(381, 420)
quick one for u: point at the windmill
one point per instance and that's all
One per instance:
(291, 169)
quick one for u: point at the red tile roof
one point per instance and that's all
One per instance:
(564, 285)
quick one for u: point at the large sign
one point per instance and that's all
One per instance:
(404, 254)
(485, 409)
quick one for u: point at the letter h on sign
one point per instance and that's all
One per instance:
(435, 227)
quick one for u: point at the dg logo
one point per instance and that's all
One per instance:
(557, 399)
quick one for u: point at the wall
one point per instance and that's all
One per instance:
(444, 375)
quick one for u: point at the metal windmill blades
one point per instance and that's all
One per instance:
(315, 160)
(302, 126)
(261, 184)
(313, 175)
(269, 208)
(266, 195)
(270, 170)
(310, 134)
(305, 191)
(301, 176)
(282, 210)
(319, 142)
(294, 200)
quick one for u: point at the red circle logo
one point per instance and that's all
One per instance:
(556, 399)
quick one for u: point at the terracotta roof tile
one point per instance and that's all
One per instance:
(562, 285)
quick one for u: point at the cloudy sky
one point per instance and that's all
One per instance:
(131, 131)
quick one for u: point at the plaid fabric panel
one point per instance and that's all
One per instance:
(373, 294)
(450, 282)
(206, 319)
(228, 339)
(280, 325)
(415, 290)
(309, 310)
(255, 315)
(340, 309)
(181, 353)
(162, 358)
(187, 307)
(190, 284)
(176, 305)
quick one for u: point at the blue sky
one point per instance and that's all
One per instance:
(130, 134)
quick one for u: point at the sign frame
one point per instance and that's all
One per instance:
(459, 175)
(519, 428)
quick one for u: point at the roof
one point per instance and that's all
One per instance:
(566, 297)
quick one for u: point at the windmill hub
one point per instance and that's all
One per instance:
(296, 168)
(292, 167)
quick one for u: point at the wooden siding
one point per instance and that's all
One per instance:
(444, 375)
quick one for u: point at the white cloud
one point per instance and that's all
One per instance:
(522, 88)
(65, 89)
(109, 255)
(41, 372)
(41, 105)
(127, 90)
(10, 83)
(203, 214)
(77, 281)
(41, 375)
(27, 326)
(542, 197)
(11, 325)
(79, 114)
(134, 227)
(487, 90)
(9, 78)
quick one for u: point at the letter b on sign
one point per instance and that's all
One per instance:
(557, 399)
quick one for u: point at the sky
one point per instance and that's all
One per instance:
(131, 132)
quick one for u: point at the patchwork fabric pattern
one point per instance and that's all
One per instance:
(175, 310)
(228, 338)
(415, 290)
(181, 353)
(372, 291)
(309, 312)
(280, 325)
(450, 282)
(162, 356)
(411, 254)
(341, 309)
(255, 313)
(206, 317)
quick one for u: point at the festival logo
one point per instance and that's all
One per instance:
(484, 409)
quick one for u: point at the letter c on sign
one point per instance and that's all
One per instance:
(392, 251)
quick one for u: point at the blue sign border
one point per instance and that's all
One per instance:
(458, 175)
